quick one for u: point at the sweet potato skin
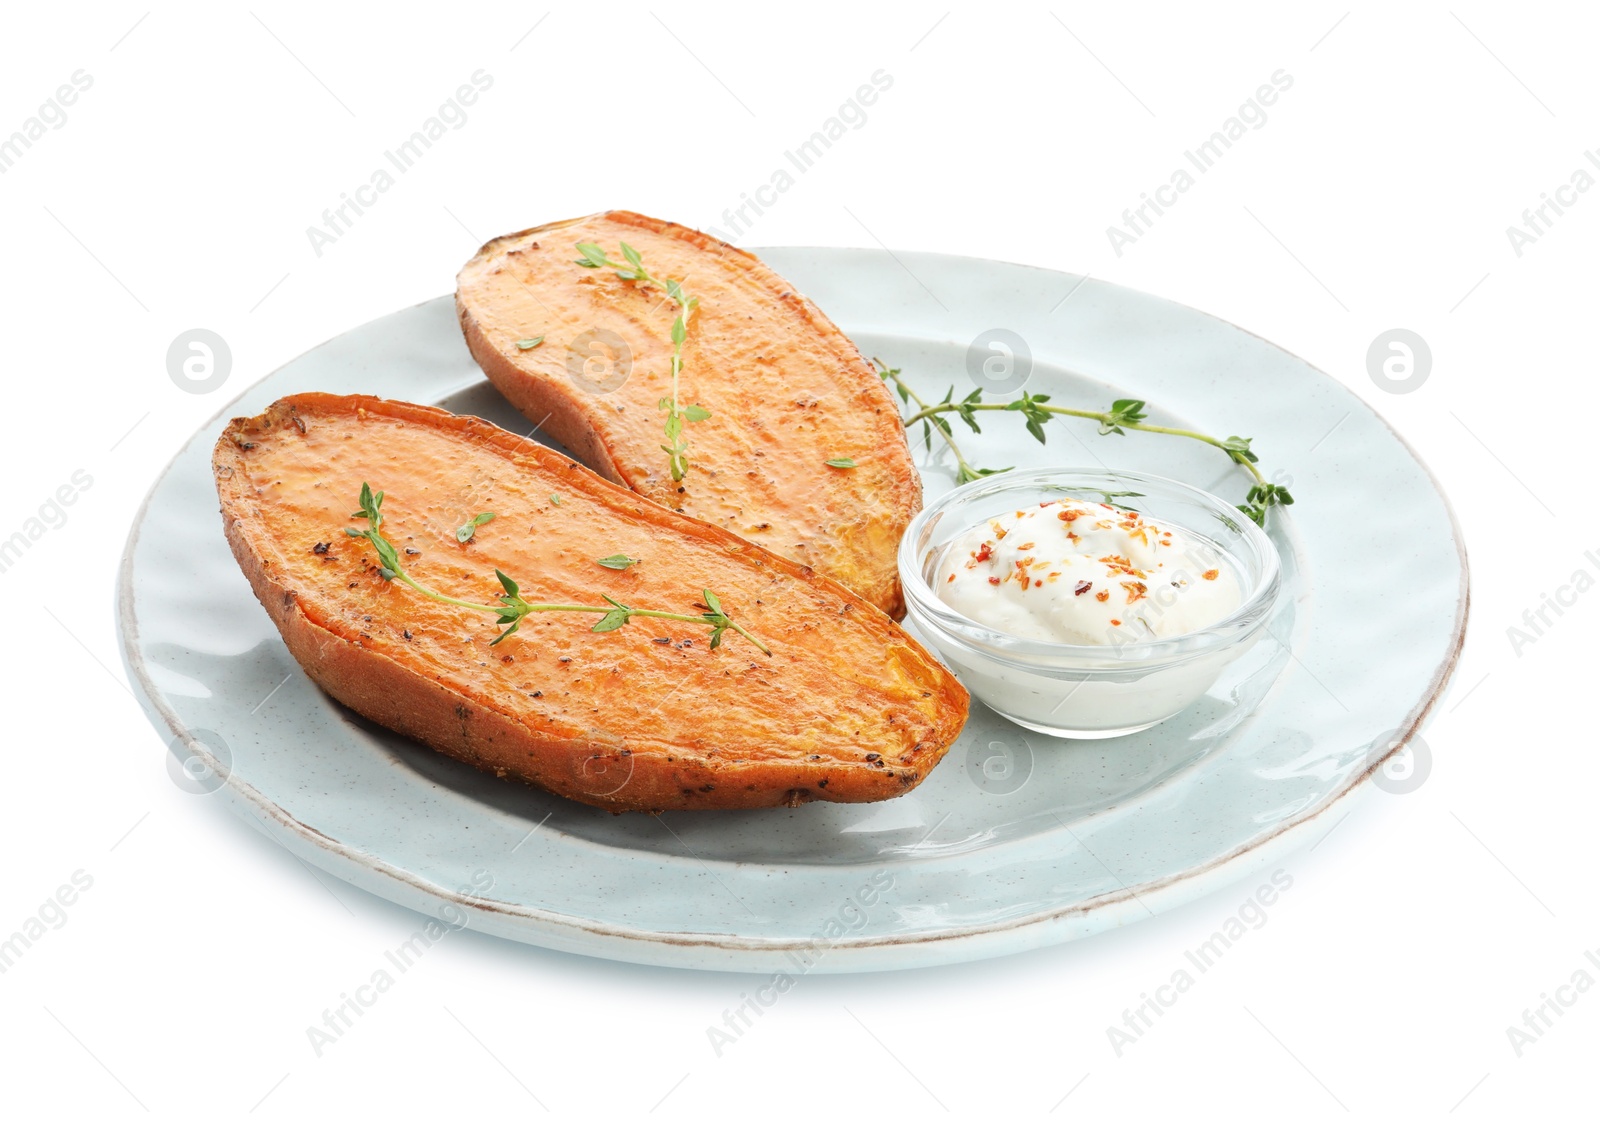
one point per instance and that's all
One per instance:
(616, 720)
(786, 389)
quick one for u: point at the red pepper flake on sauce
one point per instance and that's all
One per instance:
(1120, 564)
(1103, 595)
(994, 581)
(1210, 575)
(984, 552)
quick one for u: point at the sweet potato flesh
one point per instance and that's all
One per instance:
(786, 389)
(847, 707)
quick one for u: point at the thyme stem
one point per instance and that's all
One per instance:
(513, 608)
(1103, 417)
(553, 607)
(676, 447)
(1125, 414)
(965, 471)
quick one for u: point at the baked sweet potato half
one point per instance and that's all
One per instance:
(787, 392)
(647, 715)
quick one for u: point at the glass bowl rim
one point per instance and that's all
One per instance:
(1251, 614)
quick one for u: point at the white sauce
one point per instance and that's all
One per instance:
(1085, 573)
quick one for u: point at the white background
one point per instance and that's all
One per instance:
(177, 195)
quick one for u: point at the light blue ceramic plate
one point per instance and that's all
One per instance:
(1017, 840)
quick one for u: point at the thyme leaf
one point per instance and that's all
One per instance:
(466, 531)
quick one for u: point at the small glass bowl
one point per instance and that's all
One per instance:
(1090, 691)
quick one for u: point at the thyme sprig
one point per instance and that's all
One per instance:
(633, 269)
(514, 607)
(1125, 414)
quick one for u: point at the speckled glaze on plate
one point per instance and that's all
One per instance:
(1016, 840)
